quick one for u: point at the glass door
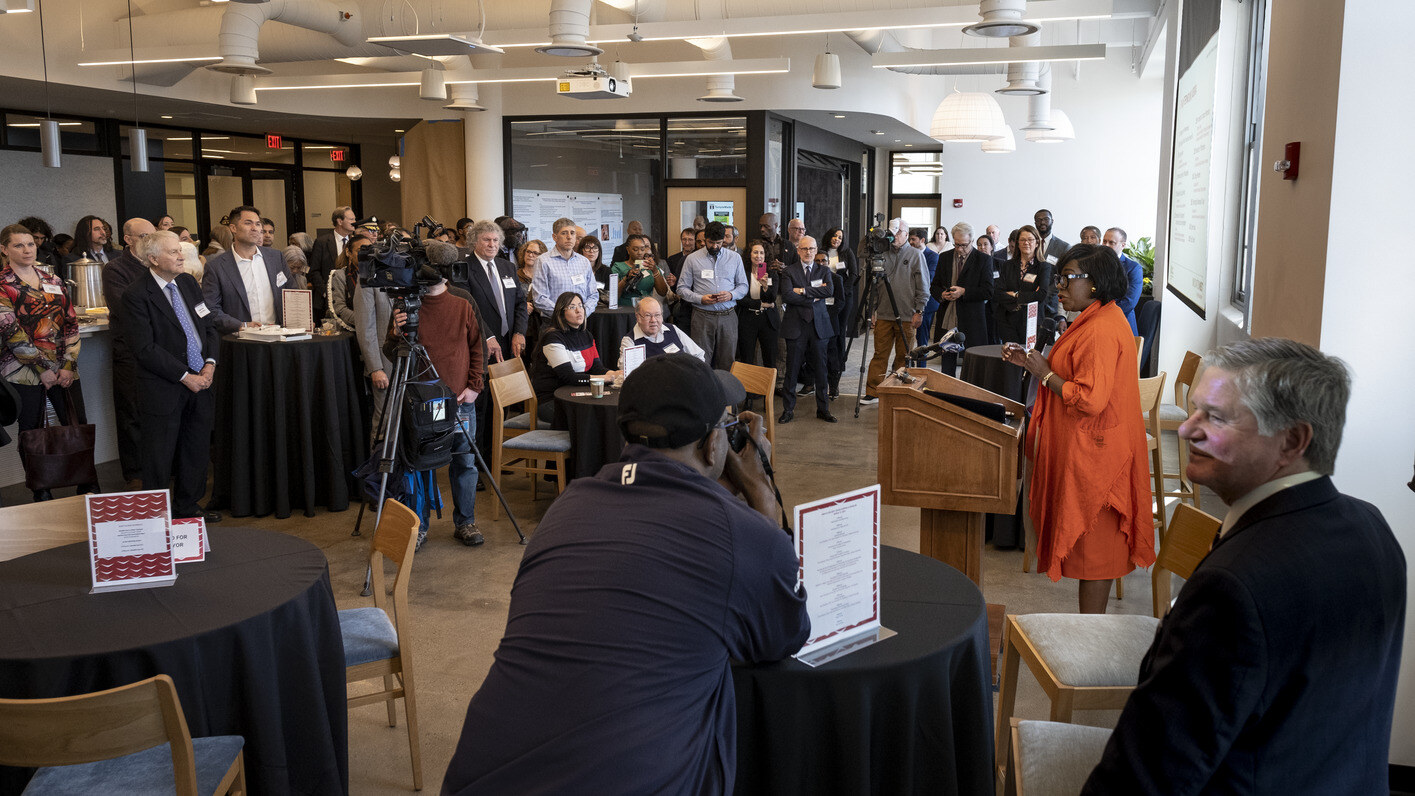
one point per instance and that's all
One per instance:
(270, 190)
(687, 205)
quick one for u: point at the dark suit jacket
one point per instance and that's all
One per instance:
(226, 294)
(1055, 248)
(156, 337)
(1275, 671)
(117, 275)
(751, 308)
(486, 296)
(110, 250)
(808, 308)
(1010, 311)
(322, 258)
(975, 277)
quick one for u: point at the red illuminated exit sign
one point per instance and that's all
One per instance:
(272, 141)
(337, 155)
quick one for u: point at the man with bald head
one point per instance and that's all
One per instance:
(118, 274)
(805, 324)
(655, 336)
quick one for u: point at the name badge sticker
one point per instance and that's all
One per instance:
(817, 283)
(577, 279)
(508, 283)
(1029, 278)
(202, 311)
(55, 289)
(706, 273)
(280, 279)
(670, 349)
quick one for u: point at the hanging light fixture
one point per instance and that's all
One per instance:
(1002, 19)
(433, 85)
(243, 89)
(49, 147)
(827, 71)
(354, 173)
(1003, 145)
(395, 175)
(1061, 130)
(137, 137)
(967, 117)
(395, 162)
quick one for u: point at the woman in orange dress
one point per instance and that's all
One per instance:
(1090, 494)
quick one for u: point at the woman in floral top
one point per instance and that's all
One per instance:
(39, 336)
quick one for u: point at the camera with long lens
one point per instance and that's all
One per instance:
(878, 242)
(399, 266)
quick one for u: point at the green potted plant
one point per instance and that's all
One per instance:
(1143, 252)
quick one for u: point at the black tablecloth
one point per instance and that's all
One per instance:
(289, 427)
(607, 326)
(250, 636)
(594, 429)
(910, 714)
(983, 366)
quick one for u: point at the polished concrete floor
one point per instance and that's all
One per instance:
(459, 595)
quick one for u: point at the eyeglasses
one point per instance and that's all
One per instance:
(1063, 279)
(657, 316)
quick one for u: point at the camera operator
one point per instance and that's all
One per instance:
(639, 587)
(448, 329)
(904, 271)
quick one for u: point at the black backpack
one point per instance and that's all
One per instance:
(429, 430)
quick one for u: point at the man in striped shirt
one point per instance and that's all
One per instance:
(563, 270)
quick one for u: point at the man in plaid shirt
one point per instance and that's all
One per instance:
(563, 270)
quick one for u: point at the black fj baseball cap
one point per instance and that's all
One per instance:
(677, 398)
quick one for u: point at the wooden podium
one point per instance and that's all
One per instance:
(951, 462)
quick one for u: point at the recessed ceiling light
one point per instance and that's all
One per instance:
(897, 140)
(877, 132)
(166, 117)
(840, 116)
(908, 145)
(399, 131)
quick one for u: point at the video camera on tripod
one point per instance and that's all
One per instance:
(400, 267)
(877, 243)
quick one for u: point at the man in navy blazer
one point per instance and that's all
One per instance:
(805, 324)
(1115, 238)
(1275, 670)
(170, 331)
(246, 268)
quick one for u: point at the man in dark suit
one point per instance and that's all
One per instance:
(501, 307)
(174, 340)
(1050, 249)
(805, 324)
(327, 248)
(1275, 671)
(120, 271)
(962, 285)
(243, 286)
(681, 311)
(91, 241)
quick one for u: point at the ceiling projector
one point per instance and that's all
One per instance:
(592, 84)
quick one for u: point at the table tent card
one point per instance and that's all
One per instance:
(189, 541)
(299, 309)
(130, 540)
(633, 357)
(837, 544)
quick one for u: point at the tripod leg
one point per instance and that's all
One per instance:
(482, 467)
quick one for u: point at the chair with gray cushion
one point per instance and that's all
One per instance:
(1092, 661)
(379, 644)
(530, 452)
(130, 739)
(1053, 759)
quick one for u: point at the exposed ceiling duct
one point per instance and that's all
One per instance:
(721, 88)
(464, 97)
(1022, 77)
(1002, 19)
(884, 41)
(1039, 105)
(241, 23)
(569, 29)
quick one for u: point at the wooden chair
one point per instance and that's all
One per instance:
(1172, 415)
(32, 527)
(113, 742)
(520, 422)
(1091, 661)
(1139, 352)
(1150, 397)
(378, 643)
(1053, 759)
(530, 452)
(757, 380)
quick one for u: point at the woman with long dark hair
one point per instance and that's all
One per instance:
(566, 355)
(1020, 281)
(758, 319)
(846, 268)
(589, 247)
(1090, 493)
(344, 280)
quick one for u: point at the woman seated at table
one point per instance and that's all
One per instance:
(39, 338)
(343, 281)
(640, 275)
(1090, 493)
(567, 354)
(1020, 281)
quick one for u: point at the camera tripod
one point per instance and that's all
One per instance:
(869, 301)
(409, 353)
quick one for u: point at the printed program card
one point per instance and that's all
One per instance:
(130, 540)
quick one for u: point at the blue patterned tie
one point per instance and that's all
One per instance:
(194, 360)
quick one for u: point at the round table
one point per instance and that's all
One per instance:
(289, 426)
(608, 326)
(910, 714)
(593, 424)
(250, 636)
(983, 365)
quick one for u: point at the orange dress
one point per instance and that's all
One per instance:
(1090, 495)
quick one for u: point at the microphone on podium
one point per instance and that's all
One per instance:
(951, 343)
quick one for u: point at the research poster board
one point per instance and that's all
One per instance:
(1191, 174)
(601, 215)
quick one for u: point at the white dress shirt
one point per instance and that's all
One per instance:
(493, 278)
(257, 283)
(1259, 494)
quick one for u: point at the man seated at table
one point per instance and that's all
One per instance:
(655, 336)
(173, 337)
(639, 587)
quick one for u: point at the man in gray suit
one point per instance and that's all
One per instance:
(242, 286)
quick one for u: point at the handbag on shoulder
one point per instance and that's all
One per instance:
(60, 455)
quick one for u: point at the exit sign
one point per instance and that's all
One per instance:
(272, 141)
(337, 155)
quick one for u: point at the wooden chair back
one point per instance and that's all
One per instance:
(757, 380)
(99, 726)
(511, 388)
(1139, 351)
(1151, 396)
(395, 538)
(1187, 540)
(32, 527)
(1184, 382)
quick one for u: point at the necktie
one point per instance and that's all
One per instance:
(194, 360)
(494, 282)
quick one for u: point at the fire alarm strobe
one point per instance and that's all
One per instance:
(592, 84)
